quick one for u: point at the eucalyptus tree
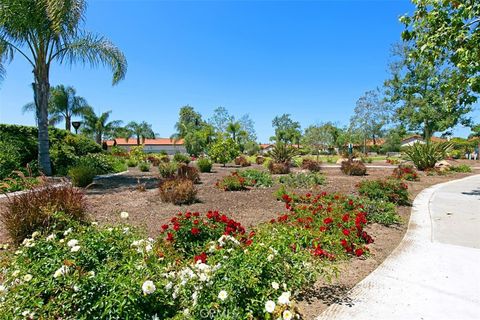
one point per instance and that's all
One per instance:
(140, 131)
(98, 126)
(47, 31)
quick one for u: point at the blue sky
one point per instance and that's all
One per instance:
(312, 59)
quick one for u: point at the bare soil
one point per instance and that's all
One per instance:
(136, 192)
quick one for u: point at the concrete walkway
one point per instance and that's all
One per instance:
(435, 271)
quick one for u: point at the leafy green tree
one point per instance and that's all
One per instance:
(286, 130)
(423, 97)
(393, 139)
(223, 150)
(318, 137)
(196, 133)
(140, 131)
(188, 120)
(447, 33)
(371, 113)
(99, 127)
(48, 31)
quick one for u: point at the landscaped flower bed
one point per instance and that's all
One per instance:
(200, 264)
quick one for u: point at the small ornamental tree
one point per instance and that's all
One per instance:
(224, 150)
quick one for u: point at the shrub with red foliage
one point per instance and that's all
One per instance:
(42, 208)
(353, 168)
(242, 161)
(190, 232)
(278, 167)
(177, 191)
(311, 165)
(186, 172)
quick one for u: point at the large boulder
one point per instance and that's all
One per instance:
(443, 165)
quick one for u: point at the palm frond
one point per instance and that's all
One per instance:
(94, 50)
(65, 16)
(29, 107)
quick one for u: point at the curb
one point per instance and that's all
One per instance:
(109, 175)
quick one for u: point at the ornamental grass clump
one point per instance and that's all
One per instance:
(391, 190)
(39, 208)
(405, 172)
(167, 170)
(177, 191)
(278, 168)
(204, 165)
(353, 168)
(144, 166)
(81, 176)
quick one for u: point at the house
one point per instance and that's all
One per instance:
(411, 140)
(265, 147)
(156, 145)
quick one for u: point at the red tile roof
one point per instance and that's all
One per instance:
(147, 142)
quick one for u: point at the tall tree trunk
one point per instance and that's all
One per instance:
(98, 138)
(41, 92)
(68, 123)
(138, 140)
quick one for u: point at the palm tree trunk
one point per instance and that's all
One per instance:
(68, 123)
(41, 92)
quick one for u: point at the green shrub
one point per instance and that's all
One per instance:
(167, 169)
(37, 210)
(391, 190)
(102, 163)
(9, 159)
(461, 168)
(132, 163)
(177, 191)
(18, 184)
(137, 153)
(353, 168)
(381, 212)
(63, 157)
(426, 155)
(223, 150)
(204, 165)
(144, 166)
(233, 182)
(81, 175)
(302, 180)
(181, 158)
(101, 280)
(259, 179)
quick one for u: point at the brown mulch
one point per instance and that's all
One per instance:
(136, 193)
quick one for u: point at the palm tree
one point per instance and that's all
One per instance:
(65, 104)
(99, 127)
(62, 105)
(234, 128)
(141, 131)
(48, 31)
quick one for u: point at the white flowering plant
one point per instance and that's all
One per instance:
(110, 275)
